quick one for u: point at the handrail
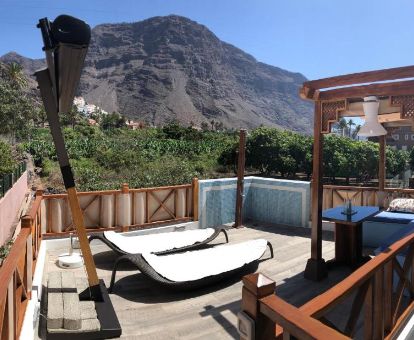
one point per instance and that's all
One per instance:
(358, 188)
(295, 322)
(11, 261)
(377, 293)
(17, 272)
(13, 301)
(111, 192)
(324, 301)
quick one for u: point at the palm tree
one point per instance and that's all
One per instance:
(350, 123)
(15, 75)
(355, 132)
(342, 125)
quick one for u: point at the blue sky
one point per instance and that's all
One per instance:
(318, 38)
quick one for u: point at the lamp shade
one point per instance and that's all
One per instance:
(371, 127)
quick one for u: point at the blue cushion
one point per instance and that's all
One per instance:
(392, 217)
(398, 235)
(375, 233)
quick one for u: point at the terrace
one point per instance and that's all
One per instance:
(287, 297)
(138, 303)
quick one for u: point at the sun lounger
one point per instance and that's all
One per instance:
(160, 243)
(197, 268)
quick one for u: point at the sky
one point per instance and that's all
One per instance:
(318, 38)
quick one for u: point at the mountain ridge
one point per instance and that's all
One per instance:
(171, 68)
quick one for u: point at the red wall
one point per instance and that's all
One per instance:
(10, 206)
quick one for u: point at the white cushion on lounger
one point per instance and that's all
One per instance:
(158, 242)
(198, 264)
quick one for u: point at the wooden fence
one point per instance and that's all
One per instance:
(334, 195)
(382, 293)
(16, 273)
(123, 209)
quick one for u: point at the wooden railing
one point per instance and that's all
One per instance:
(123, 209)
(17, 272)
(383, 300)
(334, 195)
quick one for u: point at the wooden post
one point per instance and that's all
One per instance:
(26, 221)
(255, 287)
(124, 190)
(52, 111)
(241, 160)
(316, 267)
(381, 165)
(195, 198)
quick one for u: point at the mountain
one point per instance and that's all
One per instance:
(173, 69)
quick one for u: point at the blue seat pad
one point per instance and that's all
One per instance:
(398, 235)
(392, 217)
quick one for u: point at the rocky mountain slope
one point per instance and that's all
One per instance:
(171, 68)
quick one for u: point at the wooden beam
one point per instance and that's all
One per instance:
(77, 218)
(380, 89)
(316, 266)
(195, 189)
(381, 165)
(358, 78)
(240, 178)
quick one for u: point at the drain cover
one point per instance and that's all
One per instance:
(70, 260)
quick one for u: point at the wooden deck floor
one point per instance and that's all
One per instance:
(150, 312)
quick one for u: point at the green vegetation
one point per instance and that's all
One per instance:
(7, 159)
(5, 250)
(273, 152)
(103, 159)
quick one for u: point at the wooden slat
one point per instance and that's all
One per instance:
(388, 290)
(361, 77)
(116, 209)
(49, 216)
(381, 164)
(356, 310)
(3, 304)
(380, 89)
(401, 321)
(175, 201)
(368, 313)
(195, 187)
(187, 213)
(147, 212)
(378, 305)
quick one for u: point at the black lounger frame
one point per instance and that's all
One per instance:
(143, 266)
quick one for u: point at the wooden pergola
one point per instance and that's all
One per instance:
(342, 96)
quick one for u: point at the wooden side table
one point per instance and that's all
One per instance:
(348, 234)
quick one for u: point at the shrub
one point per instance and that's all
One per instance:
(7, 159)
